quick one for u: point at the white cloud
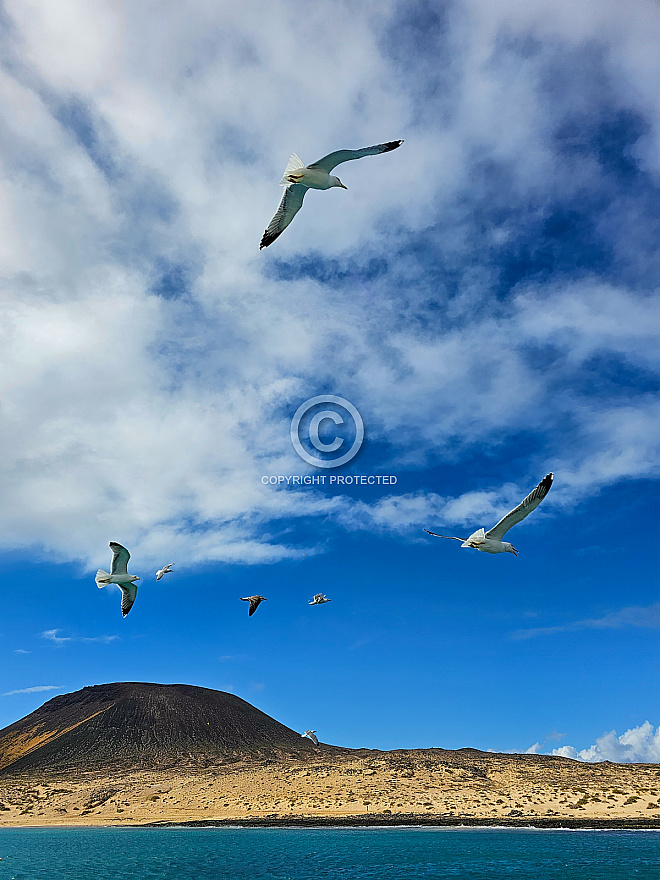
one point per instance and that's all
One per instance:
(646, 617)
(637, 745)
(137, 139)
(34, 690)
(51, 635)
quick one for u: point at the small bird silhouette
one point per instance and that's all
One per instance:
(255, 602)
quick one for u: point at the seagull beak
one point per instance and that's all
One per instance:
(515, 552)
(342, 185)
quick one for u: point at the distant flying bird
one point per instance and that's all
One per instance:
(298, 178)
(166, 569)
(319, 599)
(255, 602)
(311, 734)
(120, 576)
(491, 542)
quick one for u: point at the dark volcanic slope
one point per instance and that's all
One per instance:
(132, 724)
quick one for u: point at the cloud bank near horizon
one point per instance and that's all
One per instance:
(637, 745)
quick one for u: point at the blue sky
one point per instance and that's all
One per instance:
(485, 296)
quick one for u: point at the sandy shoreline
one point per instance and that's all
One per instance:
(405, 821)
(374, 821)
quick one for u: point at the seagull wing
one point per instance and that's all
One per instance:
(327, 163)
(128, 594)
(450, 537)
(120, 557)
(313, 737)
(254, 603)
(289, 206)
(526, 506)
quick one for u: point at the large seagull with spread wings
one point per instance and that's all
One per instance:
(491, 541)
(119, 575)
(298, 178)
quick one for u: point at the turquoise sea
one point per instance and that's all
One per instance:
(332, 853)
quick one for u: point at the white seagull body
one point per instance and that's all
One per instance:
(119, 575)
(166, 569)
(311, 734)
(319, 599)
(255, 602)
(491, 541)
(298, 178)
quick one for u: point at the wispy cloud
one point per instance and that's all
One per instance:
(51, 635)
(647, 617)
(554, 735)
(21, 651)
(34, 690)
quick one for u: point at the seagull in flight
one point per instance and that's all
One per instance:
(311, 734)
(255, 602)
(491, 541)
(166, 569)
(319, 599)
(119, 575)
(298, 178)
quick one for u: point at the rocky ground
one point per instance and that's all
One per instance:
(408, 786)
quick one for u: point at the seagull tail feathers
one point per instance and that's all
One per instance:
(294, 164)
(102, 578)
